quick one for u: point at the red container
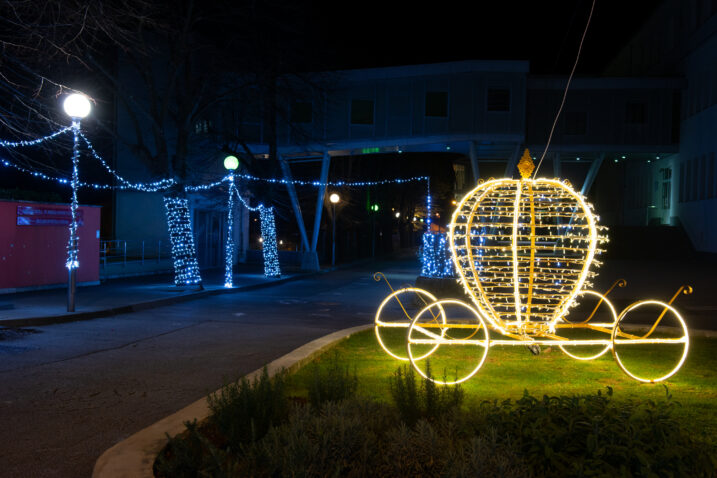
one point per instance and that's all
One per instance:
(33, 244)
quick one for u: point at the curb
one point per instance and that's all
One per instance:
(150, 304)
(134, 456)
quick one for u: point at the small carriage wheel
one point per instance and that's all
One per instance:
(684, 339)
(429, 298)
(441, 340)
(577, 342)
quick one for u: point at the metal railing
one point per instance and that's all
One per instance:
(118, 251)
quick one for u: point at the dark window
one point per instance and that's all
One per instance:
(576, 122)
(301, 112)
(683, 181)
(666, 175)
(692, 167)
(702, 177)
(711, 176)
(362, 112)
(437, 104)
(635, 112)
(498, 100)
(676, 103)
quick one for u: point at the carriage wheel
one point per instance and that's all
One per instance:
(622, 337)
(608, 329)
(404, 298)
(471, 332)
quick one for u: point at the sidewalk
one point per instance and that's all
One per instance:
(117, 296)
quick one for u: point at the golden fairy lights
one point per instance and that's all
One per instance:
(523, 249)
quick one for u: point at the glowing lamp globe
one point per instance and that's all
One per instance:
(231, 163)
(77, 106)
(334, 198)
(523, 249)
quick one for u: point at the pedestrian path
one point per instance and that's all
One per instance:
(116, 296)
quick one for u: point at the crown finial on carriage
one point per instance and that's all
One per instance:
(525, 165)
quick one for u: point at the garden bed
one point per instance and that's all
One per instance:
(352, 413)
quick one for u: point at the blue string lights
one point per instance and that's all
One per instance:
(186, 268)
(177, 208)
(436, 256)
(34, 142)
(269, 248)
(73, 261)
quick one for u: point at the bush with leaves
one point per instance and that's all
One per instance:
(594, 435)
(424, 399)
(331, 384)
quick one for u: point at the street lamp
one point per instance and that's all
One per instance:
(231, 163)
(77, 107)
(334, 198)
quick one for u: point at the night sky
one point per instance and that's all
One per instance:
(376, 34)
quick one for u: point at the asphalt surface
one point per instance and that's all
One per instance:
(70, 391)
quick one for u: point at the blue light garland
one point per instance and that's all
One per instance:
(73, 261)
(436, 256)
(269, 249)
(186, 268)
(183, 249)
(229, 246)
(33, 142)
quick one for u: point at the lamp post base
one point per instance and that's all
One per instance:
(71, 288)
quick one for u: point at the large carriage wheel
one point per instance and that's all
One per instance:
(423, 331)
(404, 298)
(604, 328)
(648, 338)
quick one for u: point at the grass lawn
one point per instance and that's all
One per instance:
(508, 371)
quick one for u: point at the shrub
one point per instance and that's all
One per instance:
(424, 400)
(364, 438)
(187, 454)
(244, 411)
(592, 435)
(331, 384)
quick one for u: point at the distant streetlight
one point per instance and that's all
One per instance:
(231, 163)
(398, 214)
(77, 107)
(334, 198)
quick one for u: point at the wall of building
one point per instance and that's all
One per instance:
(33, 251)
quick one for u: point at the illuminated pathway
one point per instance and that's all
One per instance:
(73, 390)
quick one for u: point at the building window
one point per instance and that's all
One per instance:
(498, 99)
(702, 176)
(301, 112)
(666, 174)
(202, 126)
(635, 112)
(460, 172)
(437, 104)
(576, 122)
(683, 181)
(711, 176)
(362, 112)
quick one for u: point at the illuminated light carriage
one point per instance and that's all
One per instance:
(523, 250)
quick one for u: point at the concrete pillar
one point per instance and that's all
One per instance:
(511, 167)
(320, 198)
(592, 174)
(557, 169)
(473, 154)
(286, 169)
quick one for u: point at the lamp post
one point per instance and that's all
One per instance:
(231, 163)
(334, 198)
(77, 107)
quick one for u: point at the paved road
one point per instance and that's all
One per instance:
(73, 390)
